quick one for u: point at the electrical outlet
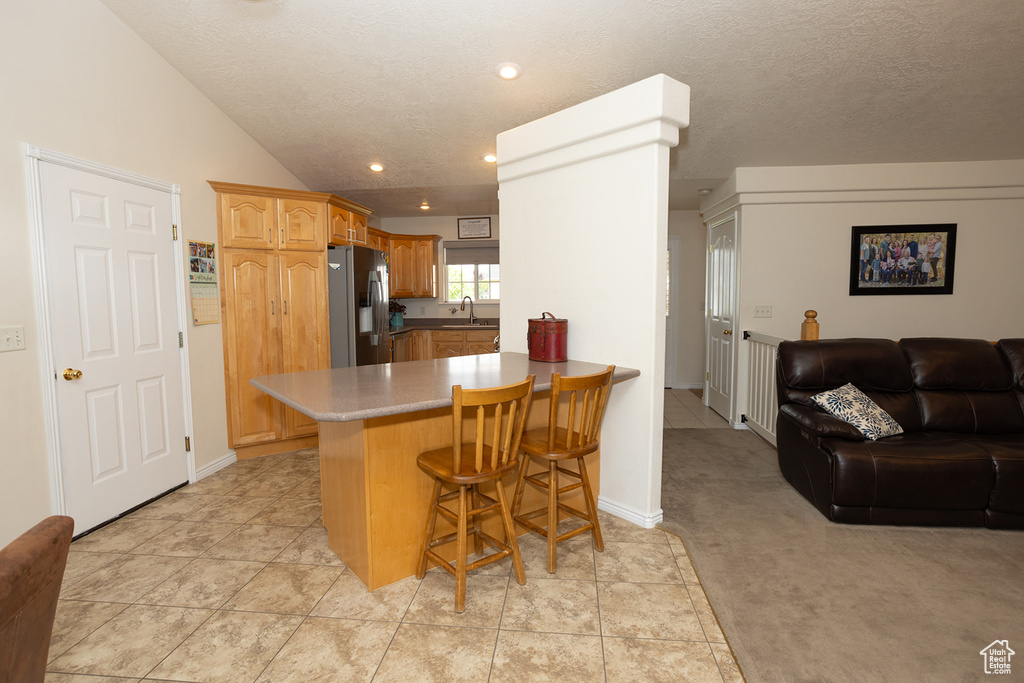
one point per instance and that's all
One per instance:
(12, 338)
(423, 310)
(762, 311)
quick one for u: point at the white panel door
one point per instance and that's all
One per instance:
(721, 345)
(110, 270)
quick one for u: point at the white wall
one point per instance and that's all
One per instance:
(687, 284)
(795, 242)
(75, 80)
(584, 204)
(447, 228)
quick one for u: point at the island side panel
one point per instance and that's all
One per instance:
(343, 489)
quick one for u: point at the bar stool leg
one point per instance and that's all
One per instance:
(517, 498)
(478, 539)
(510, 535)
(460, 559)
(552, 515)
(588, 496)
(428, 535)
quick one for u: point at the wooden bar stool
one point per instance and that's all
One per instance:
(551, 446)
(466, 465)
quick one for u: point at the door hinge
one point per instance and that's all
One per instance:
(188, 444)
(174, 231)
(708, 377)
(181, 340)
(711, 248)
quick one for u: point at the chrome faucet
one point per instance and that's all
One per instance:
(472, 318)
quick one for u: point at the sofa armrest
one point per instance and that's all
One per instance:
(820, 423)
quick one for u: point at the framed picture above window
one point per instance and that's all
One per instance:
(902, 259)
(475, 228)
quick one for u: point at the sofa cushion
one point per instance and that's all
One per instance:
(924, 470)
(875, 366)
(1013, 350)
(964, 364)
(849, 403)
(1007, 454)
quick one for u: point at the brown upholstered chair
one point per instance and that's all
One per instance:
(31, 570)
(466, 465)
(554, 445)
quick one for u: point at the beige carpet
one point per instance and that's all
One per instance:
(804, 599)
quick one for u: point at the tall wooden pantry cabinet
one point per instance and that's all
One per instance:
(274, 308)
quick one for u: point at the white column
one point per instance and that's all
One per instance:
(584, 226)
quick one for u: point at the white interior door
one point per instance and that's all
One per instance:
(111, 285)
(721, 345)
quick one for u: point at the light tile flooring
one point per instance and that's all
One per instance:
(231, 579)
(684, 410)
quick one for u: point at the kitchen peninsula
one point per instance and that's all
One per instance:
(374, 420)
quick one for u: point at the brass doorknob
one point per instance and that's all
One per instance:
(727, 332)
(70, 374)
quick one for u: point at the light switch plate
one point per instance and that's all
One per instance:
(762, 311)
(12, 338)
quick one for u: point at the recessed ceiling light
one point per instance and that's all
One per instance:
(508, 70)
(376, 168)
(424, 205)
(490, 158)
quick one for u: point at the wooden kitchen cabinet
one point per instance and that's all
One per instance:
(274, 322)
(400, 347)
(419, 345)
(378, 239)
(252, 222)
(347, 224)
(447, 344)
(273, 284)
(414, 266)
(479, 341)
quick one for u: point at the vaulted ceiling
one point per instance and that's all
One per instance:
(328, 86)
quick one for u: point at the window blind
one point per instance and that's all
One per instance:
(477, 251)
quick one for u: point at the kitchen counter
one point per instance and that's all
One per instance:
(375, 420)
(443, 324)
(366, 391)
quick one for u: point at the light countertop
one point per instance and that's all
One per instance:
(347, 394)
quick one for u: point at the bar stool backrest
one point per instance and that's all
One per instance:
(588, 395)
(508, 407)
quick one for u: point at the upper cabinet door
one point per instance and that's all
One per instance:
(402, 271)
(302, 225)
(247, 222)
(341, 231)
(426, 267)
(358, 228)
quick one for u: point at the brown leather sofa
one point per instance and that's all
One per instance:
(960, 402)
(31, 571)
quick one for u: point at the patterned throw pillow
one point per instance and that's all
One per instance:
(852, 405)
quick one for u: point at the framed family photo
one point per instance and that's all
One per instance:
(902, 259)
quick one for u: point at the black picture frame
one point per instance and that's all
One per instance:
(913, 271)
(477, 228)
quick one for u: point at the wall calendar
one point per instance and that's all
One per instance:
(202, 278)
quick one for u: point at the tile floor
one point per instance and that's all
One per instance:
(231, 579)
(684, 410)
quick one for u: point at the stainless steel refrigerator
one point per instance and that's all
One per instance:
(357, 280)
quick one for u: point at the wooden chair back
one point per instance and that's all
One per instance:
(588, 395)
(505, 409)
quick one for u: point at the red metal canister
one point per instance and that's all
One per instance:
(547, 338)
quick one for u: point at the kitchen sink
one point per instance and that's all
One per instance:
(467, 326)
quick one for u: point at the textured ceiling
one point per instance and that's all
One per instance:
(327, 86)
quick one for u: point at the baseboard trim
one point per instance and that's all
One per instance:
(699, 385)
(629, 514)
(740, 425)
(218, 464)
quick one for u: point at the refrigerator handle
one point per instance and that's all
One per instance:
(375, 325)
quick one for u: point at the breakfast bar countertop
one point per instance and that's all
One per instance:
(368, 391)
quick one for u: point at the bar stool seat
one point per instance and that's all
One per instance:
(465, 465)
(571, 438)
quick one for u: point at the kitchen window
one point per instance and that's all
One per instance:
(471, 269)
